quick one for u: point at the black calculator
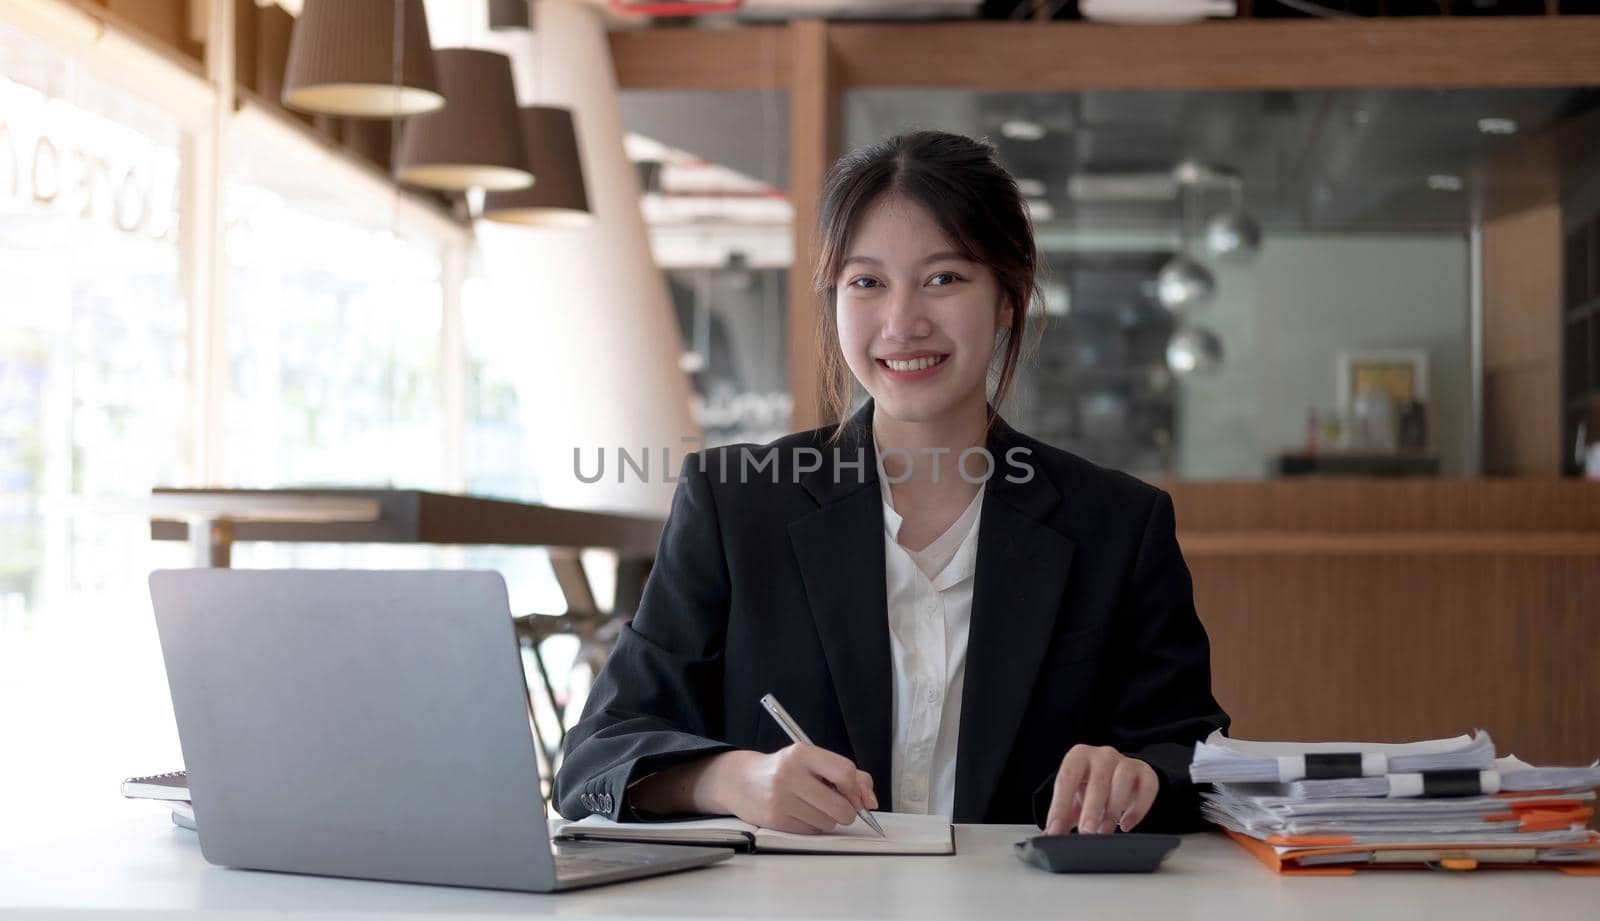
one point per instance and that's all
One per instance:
(1134, 852)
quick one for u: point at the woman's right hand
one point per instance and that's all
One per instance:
(800, 789)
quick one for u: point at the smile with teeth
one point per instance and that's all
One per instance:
(914, 364)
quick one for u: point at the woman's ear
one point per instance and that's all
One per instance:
(1006, 314)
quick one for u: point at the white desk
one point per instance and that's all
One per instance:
(139, 866)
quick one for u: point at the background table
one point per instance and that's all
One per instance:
(138, 865)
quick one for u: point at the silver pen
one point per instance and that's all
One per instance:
(798, 736)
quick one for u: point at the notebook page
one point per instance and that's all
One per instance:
(719, 830)
(905, 834)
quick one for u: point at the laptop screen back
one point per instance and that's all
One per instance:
(355, 723)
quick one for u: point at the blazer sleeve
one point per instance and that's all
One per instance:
(656, 702)
(1160, 704)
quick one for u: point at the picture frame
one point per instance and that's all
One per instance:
(1402, 373)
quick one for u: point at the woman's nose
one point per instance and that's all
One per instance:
(904, 317)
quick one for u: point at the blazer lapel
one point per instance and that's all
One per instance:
(840, 551)
(1018, 584)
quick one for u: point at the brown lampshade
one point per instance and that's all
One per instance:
(557, 197)
(342, 60)
(505, 15)
(474, 141)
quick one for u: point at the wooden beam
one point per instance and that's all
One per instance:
(813, 143)
(1429, 52)
(745, 58)
(1240, 54)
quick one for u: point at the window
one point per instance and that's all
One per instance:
(94, 410)
(334, 318)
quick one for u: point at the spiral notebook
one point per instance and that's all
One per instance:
(906, 834)
(173, 786)
(170, 790)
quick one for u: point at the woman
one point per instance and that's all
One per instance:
(965, 620)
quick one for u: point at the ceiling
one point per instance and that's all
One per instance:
(746, 132)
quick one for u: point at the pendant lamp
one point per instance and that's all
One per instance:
(1194, 350)
(505, 15)
(344, 60)
(474, 141)
(557, 197)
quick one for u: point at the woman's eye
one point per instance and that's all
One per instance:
(950, 275)
(863, 282)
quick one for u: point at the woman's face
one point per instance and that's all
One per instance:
(917, 322)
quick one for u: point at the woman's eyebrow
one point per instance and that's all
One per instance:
(936, 257)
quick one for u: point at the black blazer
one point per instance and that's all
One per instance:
(1083, 629)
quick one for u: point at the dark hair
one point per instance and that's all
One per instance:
(974, 201)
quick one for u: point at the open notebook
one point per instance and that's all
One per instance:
(906, 834)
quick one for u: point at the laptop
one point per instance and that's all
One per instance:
(370, 725)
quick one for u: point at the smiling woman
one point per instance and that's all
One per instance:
(921, 627)
(924, 218)
(939, 315)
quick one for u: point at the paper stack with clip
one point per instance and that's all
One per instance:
(1328, 808)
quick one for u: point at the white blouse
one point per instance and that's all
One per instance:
(930, 610)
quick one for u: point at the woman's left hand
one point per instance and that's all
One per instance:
(1099, 789)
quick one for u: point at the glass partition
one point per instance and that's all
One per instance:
(1238, 283)
(713, 170)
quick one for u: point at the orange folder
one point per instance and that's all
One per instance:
(1452, 858)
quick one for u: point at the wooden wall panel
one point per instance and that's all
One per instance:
(166, 22)
(1394, 609)
(1522, 342)
(1389, 648)
(1522, 419)
(274, 27)
(245, 52)
(1397, 505)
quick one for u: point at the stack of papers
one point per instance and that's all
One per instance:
(1333, 806)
